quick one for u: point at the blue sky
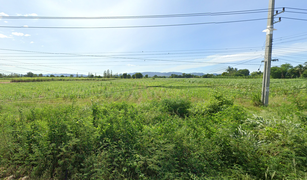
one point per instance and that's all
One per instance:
(200, 48)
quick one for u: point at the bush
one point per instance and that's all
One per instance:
(176, 106)
(218, 103)
(256, 99)
(300, 100)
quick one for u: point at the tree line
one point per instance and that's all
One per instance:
(284, 71)
(288, 71)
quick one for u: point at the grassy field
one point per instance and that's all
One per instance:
(153, 129)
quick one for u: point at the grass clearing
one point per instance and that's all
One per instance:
(153, 129)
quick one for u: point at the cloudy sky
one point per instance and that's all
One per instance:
(206, 48)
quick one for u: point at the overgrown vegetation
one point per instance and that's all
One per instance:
(153, 129)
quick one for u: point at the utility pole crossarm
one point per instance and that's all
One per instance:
(268, 54)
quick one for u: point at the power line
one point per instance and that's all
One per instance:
(296, 12)
(183, 51)
(123, 27)
(298, 19)
(301, 9)
(252, 11)
(106, 56)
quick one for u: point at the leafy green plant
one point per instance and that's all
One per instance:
(176, 106)
(256, 99)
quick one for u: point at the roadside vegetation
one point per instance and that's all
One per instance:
(153, 129)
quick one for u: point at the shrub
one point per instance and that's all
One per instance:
(300, 100)
(176, 106)
(256, 99)
(218, 103)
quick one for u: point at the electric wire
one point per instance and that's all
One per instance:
(292, 18)
(252, 11)
(137, 26)
(301, 9)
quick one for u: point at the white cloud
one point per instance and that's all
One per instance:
(20, 34)
(130, 65)
(4, 36)
(17, 34)
(26, 26)
(31, 42)
(5, 21)
(32, 14)
(3, 14)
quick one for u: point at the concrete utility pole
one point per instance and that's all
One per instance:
(268, 55)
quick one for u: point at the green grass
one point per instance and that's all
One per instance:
(153, 129)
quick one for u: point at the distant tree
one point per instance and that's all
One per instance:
(293, 73)
(284, 69)
(244, 72)
(300, 69)
(71, 75)
(30, 74)
(138, 75)
(125, 75)
(129, 76)
(256, 74)
(40, 75)
(231, 70)
(90, 75)
(225, 74)
(276, 72)
(146, 76)
(108, 73)
(207, 76)
(304, 74)
(62, 75)
(52, 75)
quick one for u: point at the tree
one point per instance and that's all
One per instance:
(138, 75)
(225, 74)
(146, 76)
(256, 74)
(71, 75)
(125, 75)
(276, 72)
(293, 73)
(300, 69)
(243, 72)
(51, 75)
(207, 76)
(284, 69)
(40, 75)
(231, 70)
(30, 74)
